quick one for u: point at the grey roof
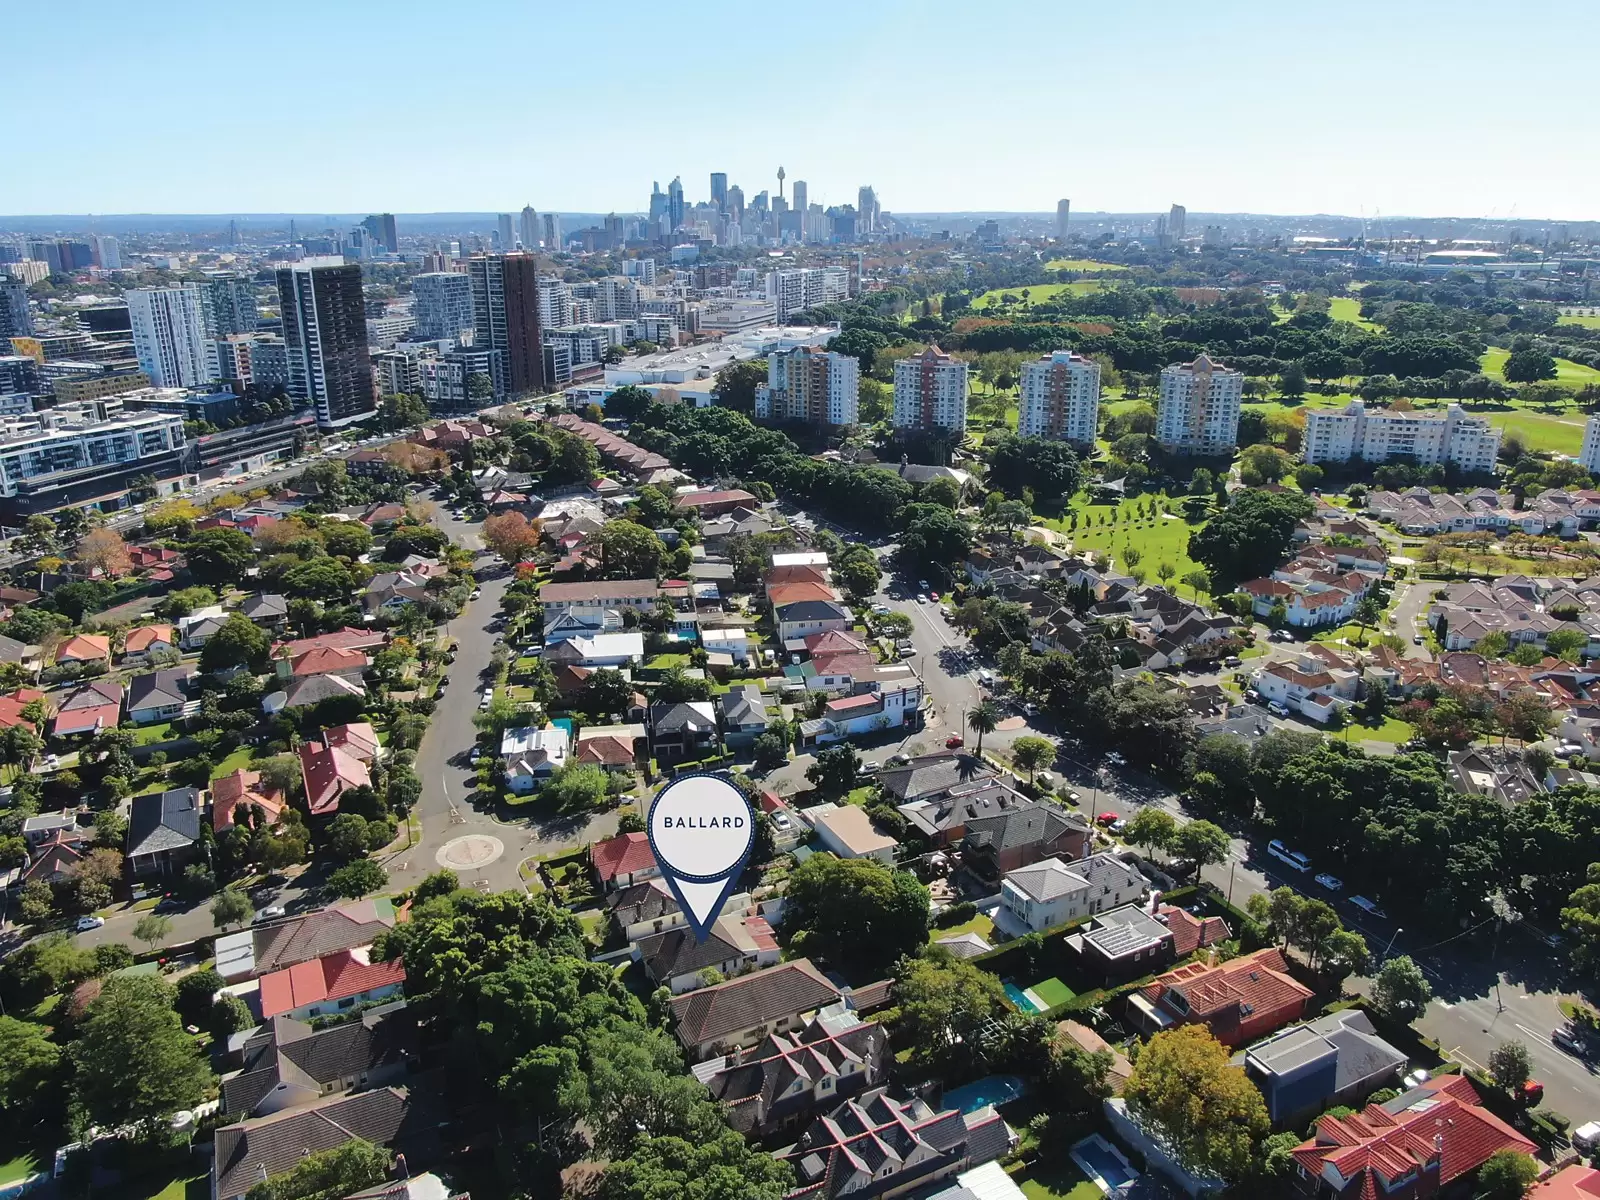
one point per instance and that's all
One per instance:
(965, 945)
(288, 1051)
(304, 690)
(1021, 827)
(13, 651)
(1124, 930)
(164, 821)
(744, 706)
(670, 718)
(930, 774)
(265, 605)
(326, 931)
(159, 688)
(641, 902)
(1046, 881)
(676, 951)
(963, 804)
(1350, 1035)
(813, 610)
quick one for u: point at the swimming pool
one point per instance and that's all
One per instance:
(995, 1089)
(1101, 1163)
(1024, 1002)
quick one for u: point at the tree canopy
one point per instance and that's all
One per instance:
(1209, 1112)
(854, 911)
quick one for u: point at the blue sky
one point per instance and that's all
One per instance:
(1409, 107)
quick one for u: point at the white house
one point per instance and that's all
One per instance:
(612, 650)
(1052, 892)
(889, 707)
(1314, 693)
(533, 755)
(196, 629)
(847, 831)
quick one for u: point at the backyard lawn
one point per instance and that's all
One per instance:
(979, 924)
(1055, 1181)
(240, 759)
(1052, 991)
(144, 735)
(665, 662)
(1393, 730)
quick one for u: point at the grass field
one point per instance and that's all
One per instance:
(979, 924)
(1348, 308)
(1038, 293)
(1570, 373)
(1081, 264)
(1057, 1180)
(1586, 321)
(1392, 730)
(238, 760)
(1542, 431)
(1052, 991)
(1163, 540)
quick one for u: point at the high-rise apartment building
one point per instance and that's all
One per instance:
(719, 190)
(806, 287)
(325, 340)
(675, 203)
(233, 304)
(503, 231)
(172, 329)
(15, 320)
(442, 304)
(1198, 412)
(1467, 442)
(1063, 211)
(505, 311)
(529, 228)
(867, 211)
(1060, 398)
(930, 391)
(811, 385)
(555, 305)
(1176, 220)
(736, 202)
(552, 232)
(1589, 456)
(107, 253)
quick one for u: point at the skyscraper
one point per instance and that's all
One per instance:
(719, 190)
(505, 315)
(108, 254)
(443, 304)
(1198, 412)
(1063, 210)
(800, 197)
(1175, 222)
(325, 340)
(675, 203)
(552, 232)
(233, 304)
(14, 318)
(171, 330)
(530, 228)
(736, 202)
(1060, 394)
(867, 214)
(507, 238)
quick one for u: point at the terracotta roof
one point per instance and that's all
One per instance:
(796, 593)
(242, 787)
(358, 739)
(1191, 933)
(327, 660)
(607, 750)
(1231, 993)
(597, 589)
(84, 648)
(11, 706)
(328, 773)
(340, 639)
(1573, 1182)
(625, 854)
(781, 576)
(95, 705)
(702, 499)
(709, 1014)
(334, 977)
(141, 639)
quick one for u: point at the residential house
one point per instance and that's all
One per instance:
(876, 1145)
(744, 715)
(17, 653)
(267, 610)
(1308, 689)
(891, 704)
(649, 907)
(164, 832)
(144, 640)
(92, 707)
(288, 1063)
(249, 1151)
(533, 755)
(942, 818)
(195, 629)
(357, 739)
(85, 648)
(836, 661)
(683, 731)
(367, 640)
(1575, 1181)
(44, 827)
(1051, 892)
(1238, 1001)
(733, 641)
(678, 959)
(576, 623)
(799, 619)
(328, 773)
(623, 861)
(329, 985)
(933, 776)
(1090, 1042)
(779, 1085)
(274, 945)
(1503, 775)
(262, 803)
(1336, 1059)
(847, 831)
(1417, 1144)
(595, 597)
(12, 705)
(994, 846)
(743, 1011)
(706, 504)
(1131, 941)
(714, 534)
(305, 691)
(55, 859)
(160, 696)
(390, 590)
(611, 650)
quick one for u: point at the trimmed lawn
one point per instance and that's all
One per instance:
(1541, 431)
(1348, 308)
(1081, 264)
(665, 662)
(144, 735)
(1056, 1181)
(1038, 293)
(860, 795)
(1588, 322)
(1392, 730)
(1165, 539)
(19, 1167)
(1494, 361)
(979, 924)
(1052, 991)
(238, 760)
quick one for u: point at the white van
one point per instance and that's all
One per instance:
(1288, 857)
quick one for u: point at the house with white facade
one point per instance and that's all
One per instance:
(1052, 892)
(1312, 688)
(533, 755)
(609, 650)
(889, 706)
(1338, 435)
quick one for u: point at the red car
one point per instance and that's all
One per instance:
(1107, 818)
(953, 742)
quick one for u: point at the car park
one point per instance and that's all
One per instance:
(1332, 882)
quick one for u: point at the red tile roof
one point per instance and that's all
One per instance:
(703, 499)
(11, 706)
(336, 977)
(141, 639)
(85, 647)
(794, 593)
(340, 639)
(1191, 933)
(1574, 1182)
(626, 854)
(1442, 1134)
(242, 787)
(328, 773)
(607, 750)
(327, 660)
(1254, 992)
(779, 576)
(358, 739)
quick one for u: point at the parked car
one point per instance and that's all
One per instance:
(1108, 818)
(272, 912)
(90, 922)
(1118, 826)
(1233, 660)
(1417, 641)
(1277, 709)
(896, 760)
(922, 597)
(871, 768)
(477, 594)
(781, 822)
(1332, 882)
(1368, 907)
(880, 609)
(954, 742)
(1566, 1038)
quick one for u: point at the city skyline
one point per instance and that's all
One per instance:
(1315, 123)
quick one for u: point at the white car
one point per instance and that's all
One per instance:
(488, 699)
(922, 598)
(477, 594)
(87, 923)
(880, 609)
(273, 912)
(1332, 882)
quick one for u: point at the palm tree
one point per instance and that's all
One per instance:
(983, 719)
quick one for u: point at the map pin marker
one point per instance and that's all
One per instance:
(701, 830)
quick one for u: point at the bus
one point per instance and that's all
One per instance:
(1291, 858)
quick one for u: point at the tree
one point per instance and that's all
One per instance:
(629, 551)
(350, 1167)
(1506, 1175)
(982, 719)
(103, 550)
(1165, 571)
(735, 385)
(577, 788)
(219, 557)
(346, 539)
(357, 879)
(1529, 366)
(933, 538)
(1309, 476)
(230, 907)
(401, 411)
(858, 572)
(1197, 581)
(604, 693)
(1033, 753)
(720, 1166)
(944, 1003)
(854, 912)
(1207, 1111)
(347, 837)
(1250, 537)
(835, 771)
(133, 1062)
(1292, 380)
(1153, 828)
(771, 750)
(239, 643)
(30, 1065)
(151, 928)
(1401, 991)
(511, 535)
(1201, 843)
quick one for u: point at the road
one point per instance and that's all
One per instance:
(1410, 600)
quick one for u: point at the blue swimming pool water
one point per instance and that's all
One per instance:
(1020, 999)
(566, 723)
(995, 1089)
(1096, 1157)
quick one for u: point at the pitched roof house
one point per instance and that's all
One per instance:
(623, 860)
(85, 647)
(159, 696)
(742, 1011)
(163, 831)
(329, 984)
(329, 773)
(287, 1063)
(245, 788)
(143, 639)
(95, 706)
(1238, 1001)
